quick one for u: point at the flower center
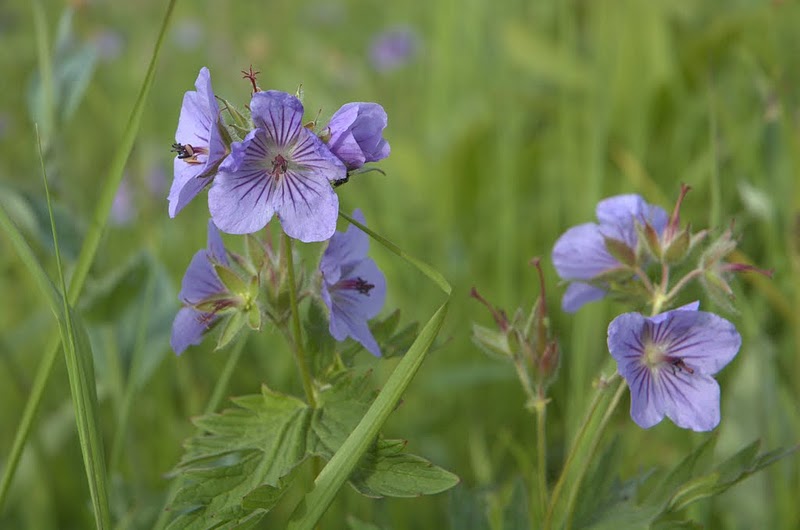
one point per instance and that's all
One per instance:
(653, 354)
(356, 284)
(279, 165)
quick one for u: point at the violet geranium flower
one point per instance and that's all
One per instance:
(198, 144)
(668, 360)
(200, 285)
(353, 288)
(580, 254)
(282, 168)
(356, 134)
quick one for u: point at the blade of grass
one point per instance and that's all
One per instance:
(333, 476)
(82, 384)
(85, 258)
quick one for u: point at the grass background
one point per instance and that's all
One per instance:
(507, 125)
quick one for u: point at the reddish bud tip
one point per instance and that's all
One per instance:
(500, 317)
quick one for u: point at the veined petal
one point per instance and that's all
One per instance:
(618, 215)
(368, 304)
(185, 186)
(279, 113)
(188, 328)
(579, 293)
(200, 281)
(241, 199)
(691, 401)
(307, 208)
(350, 246)
(580, 253)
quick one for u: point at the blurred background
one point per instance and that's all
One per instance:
(508, 121)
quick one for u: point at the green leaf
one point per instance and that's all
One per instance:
(355, 524)
(343, 463)
(93, 235)
(683, 472)
(386, 472)
(468, 510)
(516, 514)
(241, 461)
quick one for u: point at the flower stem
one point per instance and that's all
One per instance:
(593, 446)
(576, 444)
(541, 449)
(297, 343)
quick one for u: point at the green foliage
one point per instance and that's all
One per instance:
(657, 501)
(244, 459)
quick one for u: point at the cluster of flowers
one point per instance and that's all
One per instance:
(667, 359)
(273, 165)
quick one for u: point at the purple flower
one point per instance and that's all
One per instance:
(668, 360)
(280, 168)
(580, 254)
(393, 48)
(200, 285)
(356, 134)
(353, 287)
(198, 143)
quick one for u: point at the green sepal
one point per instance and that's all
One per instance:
(651, 242)
(491, 341)
(256, 254)
(620, 251)
(678, 248)
(230, 328)
(254, 317)
(240, 122)
(232, 282)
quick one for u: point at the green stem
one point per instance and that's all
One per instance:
(541, 449)
(297, 343)
(576, 444)
(594, 444)
(85, 260)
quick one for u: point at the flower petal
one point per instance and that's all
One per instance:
(200, 281)
(279, 113)
(351, 245)
(188, 328)
(691, 401)
(704, 341)
(185, 186)
(308, 208)
(618, 214)
(580, 253)
(578, 294)
(241, 199)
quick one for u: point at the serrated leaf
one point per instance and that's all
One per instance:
(683, 472)
(241, 460)
(385, 472)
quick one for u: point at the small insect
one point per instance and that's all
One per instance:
(678, 363)
(183, 150)
(339, 182)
